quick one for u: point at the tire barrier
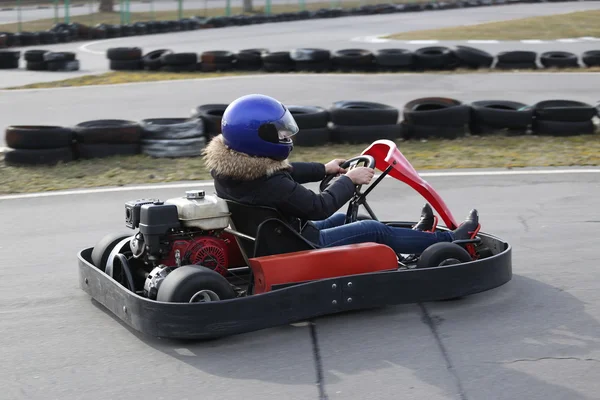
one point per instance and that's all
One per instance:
(40, 60)
(354, 122)
(433, 58)
(64, 33)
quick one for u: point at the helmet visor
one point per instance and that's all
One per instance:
(286, 127)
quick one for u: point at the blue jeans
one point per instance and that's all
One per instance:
(333, 232)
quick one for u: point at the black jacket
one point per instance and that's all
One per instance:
(277, 184)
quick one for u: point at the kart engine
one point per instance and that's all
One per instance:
(180, 231)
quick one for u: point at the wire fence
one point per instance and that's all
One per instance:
(41, 15)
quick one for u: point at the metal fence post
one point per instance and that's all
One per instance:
(180, 9)
(67, 9)
(268, 7)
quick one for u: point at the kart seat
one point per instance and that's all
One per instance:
(272, 235)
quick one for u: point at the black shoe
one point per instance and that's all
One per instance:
(469, 228)
(427, 221)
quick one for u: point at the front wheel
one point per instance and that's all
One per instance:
(194, 284)
(441, 254)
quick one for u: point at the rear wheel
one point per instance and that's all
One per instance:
(102, 249)
(194, 284)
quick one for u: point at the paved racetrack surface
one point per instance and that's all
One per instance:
(537, 337)
(332, 34)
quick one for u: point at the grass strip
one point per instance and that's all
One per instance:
(120, 77)
(560, 26)
(496, 151)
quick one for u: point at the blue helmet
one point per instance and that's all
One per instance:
(259, 126)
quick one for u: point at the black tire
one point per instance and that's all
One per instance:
(501, 114)
(313, 66)
(473, 58)
(443, 253)
(562, 128)
(211, 114)
(102, 150)
(517, 66)
(481, 129)
(102, 249)
(9, 55)
(63, 65)
(129, 65)
(312, 137)
(189, 147)
(349, 60)
(153, 60)
(564, 110)
(115, 131)
(179, 59)
(591, 58)
(310, 55)
(437, 111)
(516, 57)
(23, 157)
(59, 56)
(34, 55)
(364, 134)
(38, 137)
(363, 113)
(124, 53)
(171, 128)
(435, 58)
(310, 117)
(394, 59)
(181, 284)
(412, 131)
(36, 66)
(9, 64)
(249, 59)
(211, 67)
(179, 68)
(217, 57)
(559, 59)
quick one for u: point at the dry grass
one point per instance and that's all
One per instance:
(475, 152)
(561, 26)
(119, 77)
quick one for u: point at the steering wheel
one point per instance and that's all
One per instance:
(368, 161)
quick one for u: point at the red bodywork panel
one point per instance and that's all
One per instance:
(330, 262)
(386, 153)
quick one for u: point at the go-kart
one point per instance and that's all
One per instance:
(201, 267)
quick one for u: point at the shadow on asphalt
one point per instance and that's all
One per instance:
(523, 319)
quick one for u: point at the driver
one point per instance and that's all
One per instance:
(249, 164)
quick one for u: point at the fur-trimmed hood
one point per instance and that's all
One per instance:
(226, 162)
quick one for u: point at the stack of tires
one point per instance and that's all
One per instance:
(363, 122)
(9, 59)
(353, 60)
(173, 137)
(213, 61)
(519, 59)
(38, 145)
(125, 58)
(313, 122)
(277, 61)
(211, 115)
(249, 59)
(106, 138)
(500, 116)
(563, 118)
(435, 117)
(44, 60)
(311, 60)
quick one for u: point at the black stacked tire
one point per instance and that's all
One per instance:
(435, 117)
(153, 60)
(313, 123)
(173, 137)
(472, 58)
(435, 58)
(9, 59)
(559, 59)
(107, 138)
(125, 58)
(354, 60)
(179, 62)
(363, 122)
(519, 59)
(500, 116)
(212, 61)
(211, 115)
(563, 118)
(278, 61)
(35, 60)
(249, 59)
(311, 60)
(38, 145)
(394, 60)
(61, 61)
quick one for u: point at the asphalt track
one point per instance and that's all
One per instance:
(333, 34)
(537, 337)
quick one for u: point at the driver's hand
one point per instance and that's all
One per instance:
(361, 175)
(333, 167)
